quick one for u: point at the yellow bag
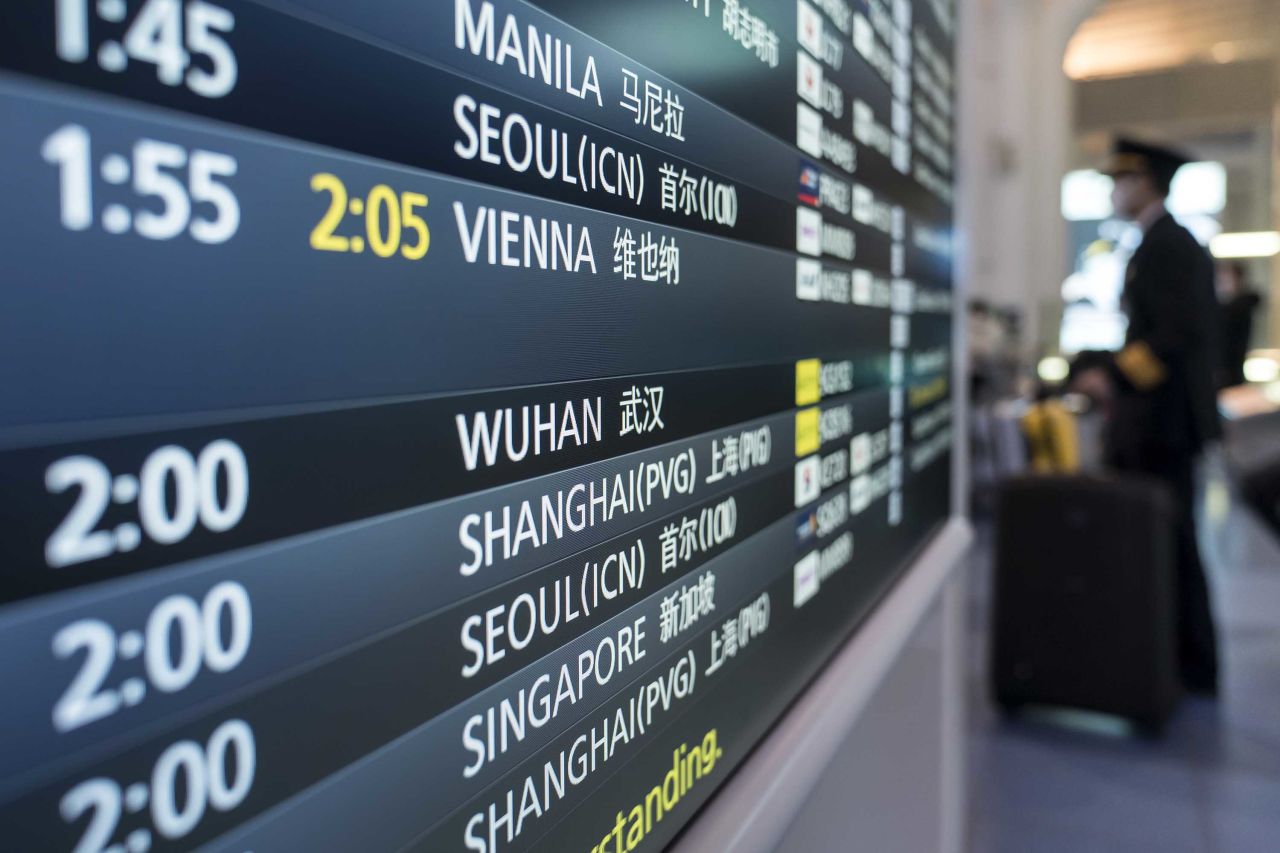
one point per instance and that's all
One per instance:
(1053, 442)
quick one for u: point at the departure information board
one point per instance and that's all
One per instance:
(451, 424)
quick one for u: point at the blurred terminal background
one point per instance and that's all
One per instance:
(1050, 84)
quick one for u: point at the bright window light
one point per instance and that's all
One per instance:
(1262, 366)
(1198, 189)
(1257, 244)
(1203, 228)
(1086, 196)
(1055, 368)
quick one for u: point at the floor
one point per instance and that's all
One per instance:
(1064, 783)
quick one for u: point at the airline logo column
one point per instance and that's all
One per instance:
(817, 94)
(900, 319)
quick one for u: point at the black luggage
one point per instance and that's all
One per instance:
(1085, 605)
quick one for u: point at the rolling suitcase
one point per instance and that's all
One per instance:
(1084, 608)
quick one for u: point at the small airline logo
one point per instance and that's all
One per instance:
(809, 130)
(808, 480)
(859, 453)
(808, 381)
(810, 183)
(809, 28)
(863, 36)
(806, 579)
(864, 203)
(859, 494)
(904, 294)
(808, 231)
(897, 367)
(808, 280)
(899, 331)
(806, 527)
(862, 285)
(808, 431)
(808, 79)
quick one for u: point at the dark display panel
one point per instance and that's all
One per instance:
(451, 425)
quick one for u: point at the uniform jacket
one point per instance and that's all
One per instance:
(1166, 401)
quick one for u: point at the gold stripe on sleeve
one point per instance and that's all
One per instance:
(1141, 367)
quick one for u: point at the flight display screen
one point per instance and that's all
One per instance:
(452, 424)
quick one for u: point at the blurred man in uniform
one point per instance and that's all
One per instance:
(1161, 384)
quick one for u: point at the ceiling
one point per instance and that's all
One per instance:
(1127, 37)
